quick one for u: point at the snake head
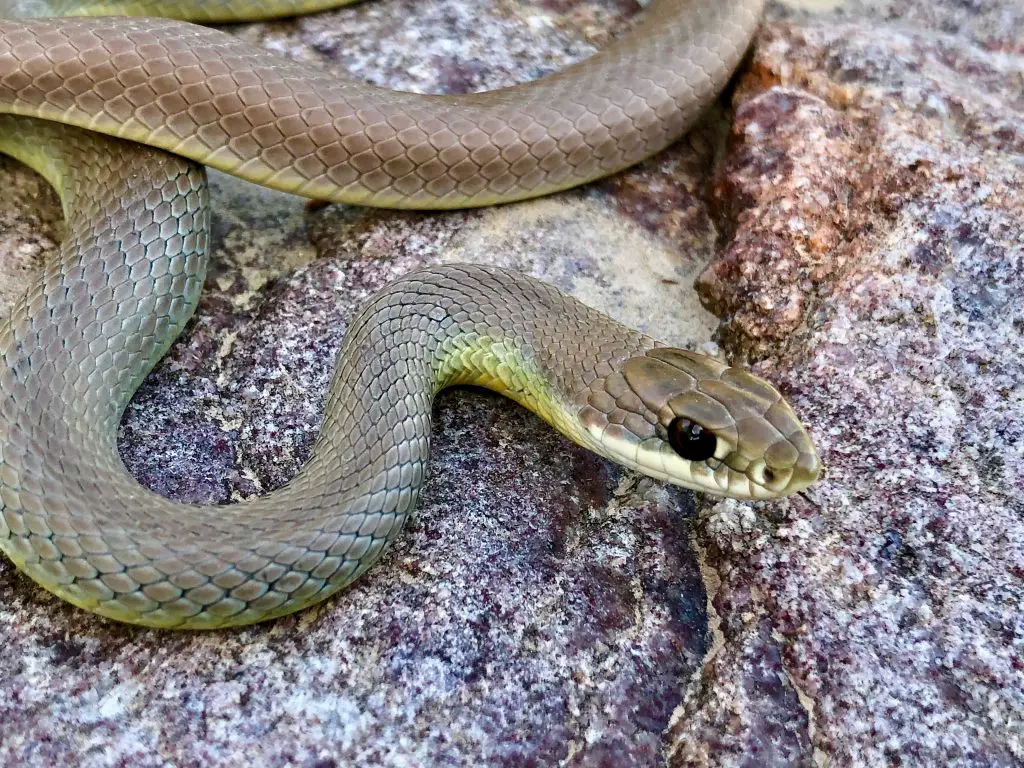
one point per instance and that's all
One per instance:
(693, 421)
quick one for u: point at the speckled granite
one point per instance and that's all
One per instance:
(875, 190)
(858, 229)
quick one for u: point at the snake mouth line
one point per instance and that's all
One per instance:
(654, 459)
(660, 462)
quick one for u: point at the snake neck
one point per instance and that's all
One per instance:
(468, 324)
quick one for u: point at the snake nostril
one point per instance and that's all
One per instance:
(769, 475)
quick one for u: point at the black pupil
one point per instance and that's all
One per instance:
(690, 440)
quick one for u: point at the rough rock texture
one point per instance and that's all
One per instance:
(874, 190)
(858, 227)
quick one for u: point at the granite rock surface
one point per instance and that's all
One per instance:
(853, 221)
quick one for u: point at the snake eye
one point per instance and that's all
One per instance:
(690, 440)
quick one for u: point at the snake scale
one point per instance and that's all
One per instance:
(130, 270)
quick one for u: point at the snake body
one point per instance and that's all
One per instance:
(130, 270)
(208, 96)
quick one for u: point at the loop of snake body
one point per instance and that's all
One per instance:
(130, 270)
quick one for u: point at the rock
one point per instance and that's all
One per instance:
(873, 188)
(857, 225)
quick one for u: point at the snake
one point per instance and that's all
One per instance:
(121, 116)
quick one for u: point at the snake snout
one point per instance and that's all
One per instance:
(789, 462)
(781, 479)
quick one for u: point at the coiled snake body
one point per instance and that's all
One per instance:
(130, 271)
